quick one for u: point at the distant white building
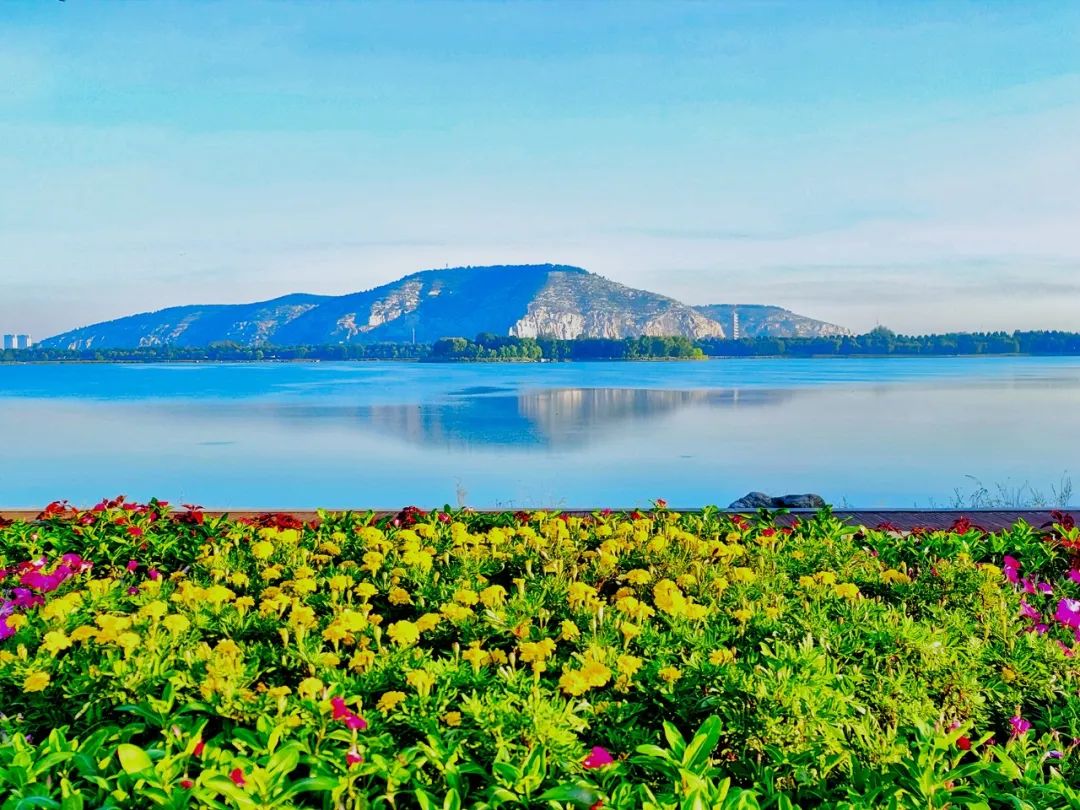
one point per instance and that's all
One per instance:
(23, 342)
(9, 341)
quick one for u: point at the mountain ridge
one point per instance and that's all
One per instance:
(552, 300)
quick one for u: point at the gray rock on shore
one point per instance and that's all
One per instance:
(759, 500)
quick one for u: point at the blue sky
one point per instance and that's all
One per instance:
(910, 163)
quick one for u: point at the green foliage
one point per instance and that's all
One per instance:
(450, 660)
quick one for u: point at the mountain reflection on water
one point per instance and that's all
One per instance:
(490, 416)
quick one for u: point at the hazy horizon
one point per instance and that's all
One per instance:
(912, 165)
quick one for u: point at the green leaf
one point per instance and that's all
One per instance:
(576, 794)
(133, 759)
(704, 743)
(425, 800)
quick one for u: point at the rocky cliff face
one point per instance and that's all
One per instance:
(757, 320)
(525, 300)
(583, 305)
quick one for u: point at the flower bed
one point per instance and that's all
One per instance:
(448, 659)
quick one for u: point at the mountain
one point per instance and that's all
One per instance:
(758, 320)
(522, 300)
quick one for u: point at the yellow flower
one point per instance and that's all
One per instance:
(695, 612)
(403, 633)
(421, 681)
(668, 597)
(83, 633)
(176, 623)
(389, 701)
(573, 682)
(36, 681)
(826, 577)
(720, 656)
(536, 651)
(846, 590)
(466, 596)
(899, 577)
(639, 576)
(340, 582)
(365, 590)
(569, 631)
(455, 612)
(309, 688)
(595, 673)
(629, 630)
(399, 596)
(670, 674)
(1007, 675)
(475, 656)
(373, 561)
(493, 597)
(278, 692)
(262, 550)
(807, 582)
(16, 621)
(744, 575)
(628, 665)
(55, 641)
(361, 660)
(742, 615)
(128, 641)
(452, 719)
(429, 621)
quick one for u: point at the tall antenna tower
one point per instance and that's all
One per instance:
(735, 333)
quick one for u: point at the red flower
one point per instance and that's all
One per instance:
(200, 746)
(963, 743)
(237, 777)
(134, 531)
(597, 804)
(597, 758)
(661, 503)
(353, 757)
(187, 784)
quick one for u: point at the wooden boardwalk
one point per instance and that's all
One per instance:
(991, 520)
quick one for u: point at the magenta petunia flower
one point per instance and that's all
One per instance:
(1028, 612)
(1068, 613)
(1019, 725)
(598, 758)
(1074, 575)
(353, 757)
(1011, 569)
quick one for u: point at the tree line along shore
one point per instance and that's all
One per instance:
(880, 342)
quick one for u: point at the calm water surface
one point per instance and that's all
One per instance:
(868, 432)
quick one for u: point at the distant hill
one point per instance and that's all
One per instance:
(759, 320)
(522, 300)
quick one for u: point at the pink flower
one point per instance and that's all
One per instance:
(1074, 575)
(1068, 613)
(597, 758)
(349, 718)
(1019, 725)
(353, 757)
(1067, 650)
(154, 574)
(237, 777)
(1011, 567)
(1027, 611)
(132, 565)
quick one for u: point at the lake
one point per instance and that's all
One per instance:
(861, 432)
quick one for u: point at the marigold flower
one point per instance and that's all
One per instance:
(389, 701)
(568, 631)
(669, 674)
(36, 681)
(452, 719)
(309, 688)
(55, 641)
